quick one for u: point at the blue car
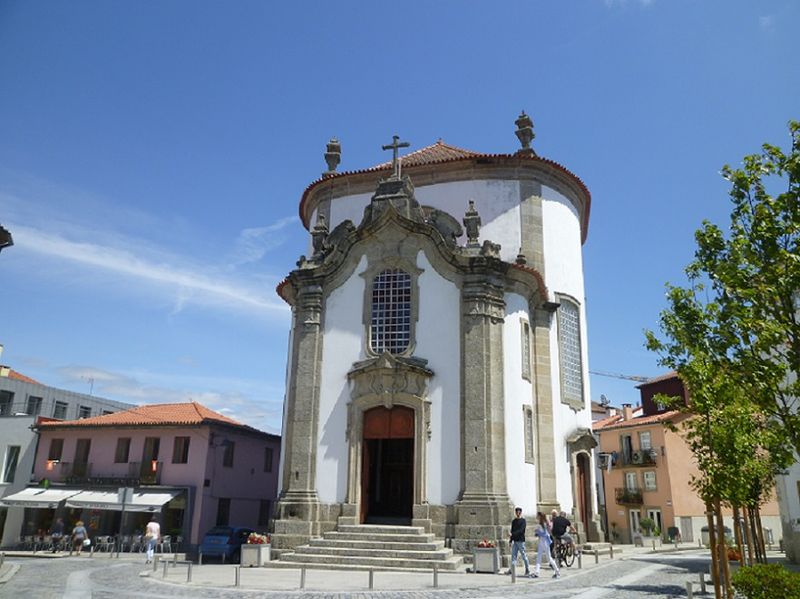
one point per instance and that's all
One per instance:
(224, 542)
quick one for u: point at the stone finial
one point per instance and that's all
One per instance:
(333, 156)
(319, 235)
(472, 223)
(521, 259)
(525, 133)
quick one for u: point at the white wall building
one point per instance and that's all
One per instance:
(438, 375)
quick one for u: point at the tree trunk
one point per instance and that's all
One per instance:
(737, 533)
(712, 543)
(723, 550)
(748, 532)
(760, 532)
(754, 535)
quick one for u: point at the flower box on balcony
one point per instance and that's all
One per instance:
(254, 555)
(485, 559)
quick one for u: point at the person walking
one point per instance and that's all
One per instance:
(517, 541)
(543, 547)
(57, 534)
(79, 535)
(151, 536)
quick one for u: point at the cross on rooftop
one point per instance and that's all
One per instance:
(394, 146)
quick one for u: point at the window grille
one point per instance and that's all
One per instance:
(569, 340)
(390, 325)
(526, 350)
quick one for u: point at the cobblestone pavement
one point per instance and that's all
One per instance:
(652, 577)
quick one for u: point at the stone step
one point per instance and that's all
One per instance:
(360, 562)
(441, 554)
(388, 538)
(328, 542)
(381, 529)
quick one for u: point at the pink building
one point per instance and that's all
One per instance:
(194, 467)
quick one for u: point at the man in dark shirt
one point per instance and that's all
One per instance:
(517, 541)
(559, 525)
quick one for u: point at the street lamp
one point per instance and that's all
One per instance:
(5, 238)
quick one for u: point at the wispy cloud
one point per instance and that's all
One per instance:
(186, 283)
(252, 244)
(766, 23)
(240, 399)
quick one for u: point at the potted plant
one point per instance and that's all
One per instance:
(485, 557)
(256, 552)
(651, 532)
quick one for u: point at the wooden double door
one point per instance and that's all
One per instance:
(387, 469)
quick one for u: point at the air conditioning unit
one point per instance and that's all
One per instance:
(637, 457)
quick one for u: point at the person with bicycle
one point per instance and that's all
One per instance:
(560, 527)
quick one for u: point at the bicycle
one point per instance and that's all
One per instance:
(565, 552)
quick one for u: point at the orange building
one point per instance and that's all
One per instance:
(647, 470)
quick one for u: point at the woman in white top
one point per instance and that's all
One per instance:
(151, 536)
(543, 547)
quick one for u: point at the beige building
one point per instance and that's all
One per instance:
(647, 470)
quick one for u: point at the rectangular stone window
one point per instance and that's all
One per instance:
(527, 415)
(268, 459)
(6, 400)
(180, 450)
(55, 450)
(84, 411)
(264, 511)
(649, 480)
(390, 320)
(34, 405)
(11, 462)
(60, 410)
(569, 343)
(644, 441)
(223, 511)
(227, 456)
(525, 341)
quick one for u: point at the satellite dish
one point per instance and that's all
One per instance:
(604, 401)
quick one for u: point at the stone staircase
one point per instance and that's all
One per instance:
(369, 546)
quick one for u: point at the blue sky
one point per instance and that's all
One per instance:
(152, 157)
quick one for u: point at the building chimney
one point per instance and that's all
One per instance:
(627, 411)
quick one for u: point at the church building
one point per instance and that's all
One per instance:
(437, 373)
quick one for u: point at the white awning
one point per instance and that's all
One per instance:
(38, 497)
(143, 501)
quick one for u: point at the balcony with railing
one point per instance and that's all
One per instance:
(136, 474)
(640, 457)
(626, 496)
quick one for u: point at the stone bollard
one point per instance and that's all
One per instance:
(435, 575)
(654, 544)
(703, 583)
(689, 591)
(237, 576)
(580, 560)
(164, 574)
(200, 558)
(611, 551)
(189, 572)
(303, 577)
(371, 579)
(2, 558)
(513, 570)
(596, 557)
(155, 563)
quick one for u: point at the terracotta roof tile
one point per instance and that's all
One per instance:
(189, 413)
(18, 376)
(432, 154)
(616, 422)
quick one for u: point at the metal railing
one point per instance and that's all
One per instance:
(625, 496)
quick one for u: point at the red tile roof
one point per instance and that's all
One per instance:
(440, 153)
(189, 413)
(18, 376)
(616, 421)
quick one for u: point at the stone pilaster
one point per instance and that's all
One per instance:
(543, 405)
(298, 507)
(484, 509)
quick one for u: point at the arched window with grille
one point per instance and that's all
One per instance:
(390, 321)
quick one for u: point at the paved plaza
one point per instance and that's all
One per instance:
(635, 574)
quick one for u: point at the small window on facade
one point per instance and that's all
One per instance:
(626, 444)
(227, 457)
(526, 349)
(123, 450)
(223, 511)
(268, 459)
(631, 481)
(264, 508)
(180, 450)
(10, 466)
(390, 323)
(84, 411)
(33, 406)
(56, 449)
(644, 441)
(650, 480)
(569, 342)
(527, 414)
(107, 412)
(6, 400)
(60, 410)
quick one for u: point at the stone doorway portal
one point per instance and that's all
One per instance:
(387, 469)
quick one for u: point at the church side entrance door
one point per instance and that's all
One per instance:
(388, 466)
